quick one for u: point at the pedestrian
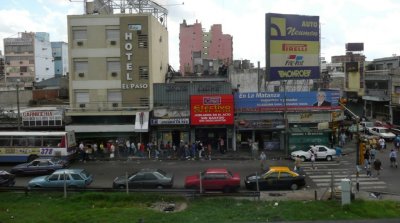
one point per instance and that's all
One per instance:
(369, 173)
(263, 159)
(396, 142)
(254, 150)
(366, 158)
(128, 147)
(393, 158)
(221, 145)
(373, 154)
(312, 157)
(382, 143)
(82, 151)
(133, 149)
(101, 149)
(377, 166)
(338, 153)
(342, 139)
(297, 164)
(200, 149)
(209, 148)
(112, 151)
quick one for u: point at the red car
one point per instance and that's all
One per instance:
(214, 179)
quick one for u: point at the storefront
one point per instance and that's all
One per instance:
(212, 119)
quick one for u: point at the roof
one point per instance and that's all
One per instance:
(216, 170)
(68, 171)
(279, 168)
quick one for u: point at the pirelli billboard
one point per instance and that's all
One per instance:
(292, 47)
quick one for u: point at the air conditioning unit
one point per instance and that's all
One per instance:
(114, 74)
(79, 43)
(82, 105)
(21, 74)
(115, 105)
(113, 42)
(21, 62)
(81, 74)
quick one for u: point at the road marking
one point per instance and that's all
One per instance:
(382, 184)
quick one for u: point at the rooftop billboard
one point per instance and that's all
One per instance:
(292, 47)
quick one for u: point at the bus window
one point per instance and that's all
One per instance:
(34, 141)
(5, 141)
(51, 141)
(19, 141)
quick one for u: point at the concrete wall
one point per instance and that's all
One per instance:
(8, 99)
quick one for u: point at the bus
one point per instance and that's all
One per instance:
(19, 147)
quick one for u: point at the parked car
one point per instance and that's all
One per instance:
(382, 132)
(214, 179)
(39, 166)
(74, 178)
(323, 152)
(277, 177)
(384, 124)
(366, 125)
(145, 178)
(6, 179)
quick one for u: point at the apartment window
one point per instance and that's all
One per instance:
(142, 41)
(23, 69)
(80, 66)
(82, 97)
(114, 96)
(143, 72)
(112, 34)
(79, 34)
(113, 66)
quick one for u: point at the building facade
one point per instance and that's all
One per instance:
(114, 59)
(28, 58)
(60, 57)
(195, 45)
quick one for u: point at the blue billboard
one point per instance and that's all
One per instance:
(290, 101)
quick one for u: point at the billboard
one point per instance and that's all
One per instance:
(354, 46)
(290, 101)
(292, 47)
(211, 109)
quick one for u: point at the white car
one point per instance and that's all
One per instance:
(323, 152)
(382, 132)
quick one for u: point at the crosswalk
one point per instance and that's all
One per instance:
(325, 173)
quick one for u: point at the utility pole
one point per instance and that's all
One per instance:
(19, 114)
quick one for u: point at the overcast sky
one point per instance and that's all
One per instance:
(342, 21)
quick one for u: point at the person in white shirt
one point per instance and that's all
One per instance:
(382, 143)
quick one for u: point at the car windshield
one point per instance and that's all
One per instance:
(162, 172)
(84, 173)
(383, 131)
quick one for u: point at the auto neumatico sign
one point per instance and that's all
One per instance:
(211, 109)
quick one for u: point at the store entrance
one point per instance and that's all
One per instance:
(211, 136)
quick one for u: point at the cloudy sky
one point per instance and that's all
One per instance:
(342, 21)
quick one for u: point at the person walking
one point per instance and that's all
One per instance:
(393, 158)
(254, 150)
(382, 143)
(377, 166)
(313, 155)
(373, 154)
(369, 172)
(263, 160)
(297, 164)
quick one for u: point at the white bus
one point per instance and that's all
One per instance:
(17, 147)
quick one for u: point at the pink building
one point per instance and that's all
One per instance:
(195, 44)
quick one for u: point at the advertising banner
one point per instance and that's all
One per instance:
(291, 101)
(292, 47)
(211, 109)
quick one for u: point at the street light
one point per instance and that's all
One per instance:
(285, 119)
(19, 114)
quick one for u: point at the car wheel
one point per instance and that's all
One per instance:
(294, 187)
(121, 187)
(329, 158)
(160, 187)
(303, 158)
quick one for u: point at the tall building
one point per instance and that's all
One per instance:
(28, 58)
(114, 59)
(60, 57)
(197, 46)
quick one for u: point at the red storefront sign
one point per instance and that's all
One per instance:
(211, 109)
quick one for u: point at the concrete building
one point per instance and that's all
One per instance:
(114, 60)
(196, 45)
(60, 57)
(28, 58)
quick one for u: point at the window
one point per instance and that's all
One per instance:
(82, 98)
(23, 69)
(79, 34)
(143, 72)
(112, 34)
(114, 66)
(149, 176)
(80, 66)
(53, 177)
(285, 175)
(144, 102)
(114, 96)
(76, 176)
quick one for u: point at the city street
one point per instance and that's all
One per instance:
(318, 178)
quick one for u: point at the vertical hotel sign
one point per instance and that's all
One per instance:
(211, 109)
(292, 47)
